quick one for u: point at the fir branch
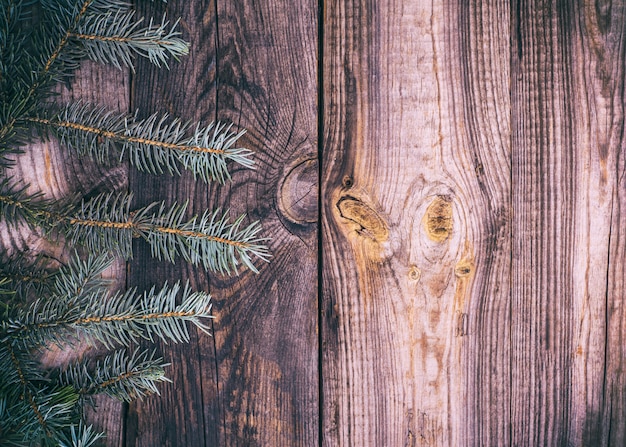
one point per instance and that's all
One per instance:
(52, 408)
(24, 276)
(70, 13)
(119, 375)
(115, 320)
(17, 206)
(106, 223)
(83, 277)
(79, 436)
(115, 37)
(155, 144)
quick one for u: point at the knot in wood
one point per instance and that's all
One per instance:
(438, 219)
(297, 195)
(370, 223)
(463, 268)
(414, 273)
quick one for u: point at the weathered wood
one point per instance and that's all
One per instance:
(478, 36)
(255, 382)
(402, 234)
(567, 283)
(266, 328)
(473, 185)
(473, 242)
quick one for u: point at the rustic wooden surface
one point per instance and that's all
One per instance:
(473, 250)
(463, 207)
(255, 382)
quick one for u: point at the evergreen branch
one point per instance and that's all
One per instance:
(83, 436)
(52, 408)
(115, 37)
(73, 20)
(14, 417)
(22, 277)
(153, 144)
(119, 376)
(18, 206)
(83, 277)
(115, 320)
(106, 223)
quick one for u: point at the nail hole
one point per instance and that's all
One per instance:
(347, 182)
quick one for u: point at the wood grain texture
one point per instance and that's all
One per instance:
(473, 237)
(473, 182)
(266, 330)
(403, 245)
(568, 193)
(254, 382)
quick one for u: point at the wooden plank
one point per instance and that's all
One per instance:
(266, 331)
(568, 192)
(598, 80)
(416, 223)
(478, 47)
(255, 382)
(187, 89)
(60, 173)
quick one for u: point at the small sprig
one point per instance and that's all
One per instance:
(155, 145)
(114, 38)
(119, 375)
(110, 320)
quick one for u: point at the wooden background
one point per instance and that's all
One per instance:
(443, 183)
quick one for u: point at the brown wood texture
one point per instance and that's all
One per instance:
(464, 208)
(256, 381)
(473, 256)
(568, 322)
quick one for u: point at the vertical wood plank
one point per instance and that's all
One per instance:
(416, 187)
(598, 80)
(568, 192)
(255, 382)
(478, 48)
(543, 166)
(177, 417)
(266, 327)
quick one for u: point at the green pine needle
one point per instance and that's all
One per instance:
(119, 375)
(111, 320)
(155, 145)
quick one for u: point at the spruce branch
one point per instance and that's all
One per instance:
(79, 435)
(83, 277)
(115, 37)
(70, 31)
(52, 407)
(119, 375)
(41, 305)
(155, 145)
(106, 223)
(18, 206)
(111, 320)
(23, 277)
